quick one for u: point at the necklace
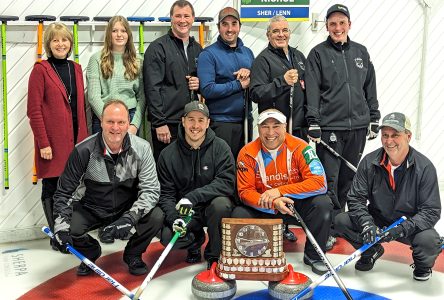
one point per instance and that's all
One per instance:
(69, 74)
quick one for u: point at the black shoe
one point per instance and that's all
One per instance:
(421, 274)
(136, 266)
(210, 262)
(105, 237)
(193, 256)
(289, 235)
(368, 259)
(84, 270)
(52, 243)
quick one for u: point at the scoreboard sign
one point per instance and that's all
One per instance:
(262, 10)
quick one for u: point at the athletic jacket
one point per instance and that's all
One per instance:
(415, 194)
(107, 188)
(197, 174)
(220, 88)
(297, 172)
(268, 87)
(48, 109)
(341, 86)
(165, 68)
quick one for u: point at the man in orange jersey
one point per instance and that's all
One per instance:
(279, 169)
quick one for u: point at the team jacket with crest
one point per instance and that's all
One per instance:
(341, 86)
(258, 172)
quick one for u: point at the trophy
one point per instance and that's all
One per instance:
(252, 249)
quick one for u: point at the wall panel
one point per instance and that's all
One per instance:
(391, 30)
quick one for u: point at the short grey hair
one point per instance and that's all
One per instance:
(277, 18)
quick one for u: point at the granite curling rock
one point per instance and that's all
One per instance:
(207, 285)
(290, 285)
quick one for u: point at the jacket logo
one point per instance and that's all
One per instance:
(301, 65)
(359, 63)
(241, 166)
(205, 168)
(302, 82)
(309, 154)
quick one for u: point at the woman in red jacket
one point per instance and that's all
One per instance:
(56, 110)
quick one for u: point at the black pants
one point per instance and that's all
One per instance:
(84, 220)
(314, 211)
(232, 133)
(158, 146)
(205, 216)
(49, 186)
(350, 145)
(426, 244)
(301, 133)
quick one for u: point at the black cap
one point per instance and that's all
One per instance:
(196, 106)
(338, 8)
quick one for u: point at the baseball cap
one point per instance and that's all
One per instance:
(397, 121)
(277, 115)
(338, 8)
(228, 11)
(196, 106)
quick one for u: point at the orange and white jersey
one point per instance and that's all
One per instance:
(296, 172)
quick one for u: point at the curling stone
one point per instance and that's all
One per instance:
(290, 285)
(207, 285)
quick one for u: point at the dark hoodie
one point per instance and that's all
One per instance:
(199, 175)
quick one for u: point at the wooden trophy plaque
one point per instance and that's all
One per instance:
(252, 249)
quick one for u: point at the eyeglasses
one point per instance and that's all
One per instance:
(278, 31)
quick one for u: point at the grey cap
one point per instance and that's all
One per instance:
(228, 11)
(196, 106)
(338, 8)
(397, 121)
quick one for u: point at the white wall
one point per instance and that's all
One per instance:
(391, 30)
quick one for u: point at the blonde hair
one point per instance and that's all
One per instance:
(53, 30)
(129, 57)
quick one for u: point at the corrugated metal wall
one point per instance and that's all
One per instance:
(391, 30)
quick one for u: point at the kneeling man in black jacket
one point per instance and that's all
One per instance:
(196, 171)
(391, 182)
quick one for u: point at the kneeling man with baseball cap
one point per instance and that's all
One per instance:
(279, 169)
(197, 172)
(394, 181)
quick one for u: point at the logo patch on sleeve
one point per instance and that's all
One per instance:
(241, 166)
(316, 167)
(309, 155)
(313, 161)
